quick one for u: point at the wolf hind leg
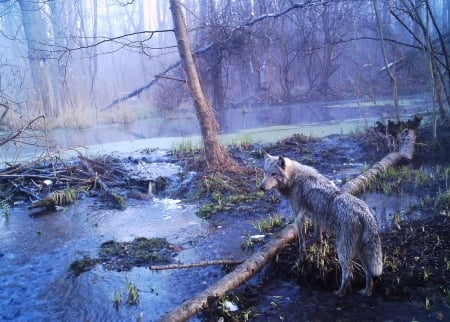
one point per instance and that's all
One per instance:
(345, 251)
(367, 291)
(346, 276)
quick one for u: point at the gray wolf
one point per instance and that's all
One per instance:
(312, 195)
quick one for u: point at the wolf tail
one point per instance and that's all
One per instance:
(371, 248)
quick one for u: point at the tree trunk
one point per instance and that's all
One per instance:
(406, 151)
(257, 261)
(387, 65)
(36, 35)
(215, 155)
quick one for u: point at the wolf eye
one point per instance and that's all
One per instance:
(273, 174)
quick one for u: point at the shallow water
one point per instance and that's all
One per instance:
(35, 253)
(263, 124)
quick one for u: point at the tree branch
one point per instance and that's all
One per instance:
(201, 264)
(21, 131)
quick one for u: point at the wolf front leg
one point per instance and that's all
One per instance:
(300, 222)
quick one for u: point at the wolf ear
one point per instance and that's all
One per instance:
(281, 162)
(267, 156)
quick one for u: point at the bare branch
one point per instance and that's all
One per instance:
(21, 131)
(201, 264)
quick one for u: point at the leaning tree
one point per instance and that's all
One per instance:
(216, 157)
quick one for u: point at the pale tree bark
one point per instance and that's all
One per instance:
(216, 157)
(36, 35)
(257, 261)
(94, 59)
(58, 19)
(387, 65)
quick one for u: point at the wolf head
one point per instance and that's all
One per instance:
(276, 175)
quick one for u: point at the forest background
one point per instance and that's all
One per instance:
(81, 62)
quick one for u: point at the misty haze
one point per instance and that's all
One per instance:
(128, 125)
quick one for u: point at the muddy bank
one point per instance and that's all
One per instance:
(414, 285)
(416, 247)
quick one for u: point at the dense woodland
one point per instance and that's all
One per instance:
(90, 58)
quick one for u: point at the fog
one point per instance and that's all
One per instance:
(84, 62)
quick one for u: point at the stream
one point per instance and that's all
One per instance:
(35, 253)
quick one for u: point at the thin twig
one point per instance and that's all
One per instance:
(200, 264)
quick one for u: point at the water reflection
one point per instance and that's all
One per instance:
(262, 123)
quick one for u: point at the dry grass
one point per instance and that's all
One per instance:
(80, 116)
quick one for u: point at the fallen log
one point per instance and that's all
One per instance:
(241, 274)
(405, 152)
(257, 261)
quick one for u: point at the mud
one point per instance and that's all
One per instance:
(415, 282)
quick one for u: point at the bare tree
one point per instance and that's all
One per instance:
(215, 155)
(36, 34)
(430, 40)
(387, 64)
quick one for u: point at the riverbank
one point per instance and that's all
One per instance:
(96, 247)
(414, 285)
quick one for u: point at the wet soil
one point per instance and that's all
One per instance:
(415, 281)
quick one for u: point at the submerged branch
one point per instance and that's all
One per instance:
(200, 264)
(238, 276)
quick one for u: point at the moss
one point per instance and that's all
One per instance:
(126, 255)
(224, 203)
(139, 248)
(78, 267)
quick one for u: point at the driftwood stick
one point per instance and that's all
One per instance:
(102, 184)
(238, 276)
(200, 264)
(257, 261)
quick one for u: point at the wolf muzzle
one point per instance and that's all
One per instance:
(261, 187)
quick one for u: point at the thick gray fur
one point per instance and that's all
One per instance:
(311, 195)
